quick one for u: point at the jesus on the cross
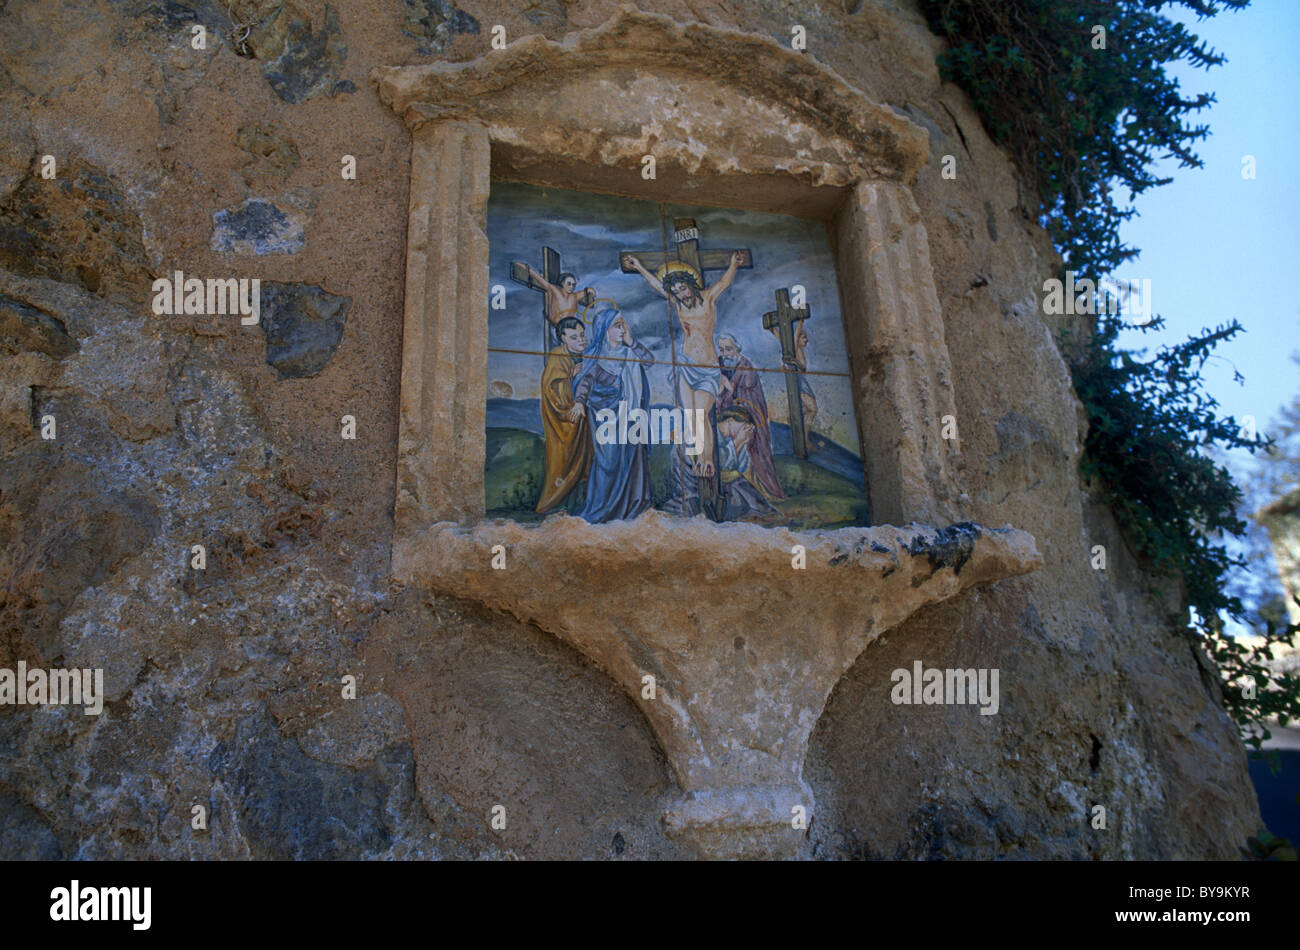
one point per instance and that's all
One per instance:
(699, 377)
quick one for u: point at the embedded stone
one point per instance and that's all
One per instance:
(300, 63)
(259, 226)
(303, 326)
(274, 156)
(79, 228)
(25, 327)
(435, 23)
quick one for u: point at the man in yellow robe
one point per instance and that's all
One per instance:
(568, 437)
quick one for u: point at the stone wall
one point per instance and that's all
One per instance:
(223, 686)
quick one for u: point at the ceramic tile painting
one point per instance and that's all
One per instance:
(645, 355)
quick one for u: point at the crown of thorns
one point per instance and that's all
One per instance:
(675, 272)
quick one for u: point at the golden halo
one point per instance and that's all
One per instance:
(586, 308)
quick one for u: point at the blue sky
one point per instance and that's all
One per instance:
(1216, 246)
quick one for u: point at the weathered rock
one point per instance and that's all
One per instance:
(299, 62)
(548, 14)
(78, 228)
(68, 534)
(260, 226)
(274, 154)
(950, 547)
(303, 326)
(24, 834)
(293, 807)
(496, 717)
(47, 47)
(24, 327)
(435, 24)
(733, 715)
(172, 17)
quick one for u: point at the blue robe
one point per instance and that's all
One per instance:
(618, 485)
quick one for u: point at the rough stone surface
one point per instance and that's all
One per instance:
(27, 328)
(79, 228)
(733, 714)
(442, 433)
(435, 23)
(299, 62)
(24, 834)
(274, 156)
(292, 806)
(224, 689)
(259, 226)
(623, 117)
(303, 326)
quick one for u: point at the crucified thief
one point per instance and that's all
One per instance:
(698, 378)
(562, 300)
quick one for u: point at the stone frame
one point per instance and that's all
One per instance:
(644, 84)
(846, 160)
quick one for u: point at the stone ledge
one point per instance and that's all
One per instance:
(739, 680)
(454, 558)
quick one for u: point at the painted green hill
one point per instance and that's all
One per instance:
(819, 499)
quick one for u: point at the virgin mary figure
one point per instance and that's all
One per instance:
(618, 486)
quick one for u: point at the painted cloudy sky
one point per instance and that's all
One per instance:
(590, 230)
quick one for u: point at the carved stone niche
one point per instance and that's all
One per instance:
(743, 648)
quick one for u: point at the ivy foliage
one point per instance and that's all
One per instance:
(1078, 93)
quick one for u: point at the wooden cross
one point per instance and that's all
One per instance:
(783, 320)
(686, 239)
(551, 270)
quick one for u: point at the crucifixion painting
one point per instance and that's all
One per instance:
(679, 279)
(667, 381)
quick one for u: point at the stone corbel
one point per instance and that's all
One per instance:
(739, 647)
